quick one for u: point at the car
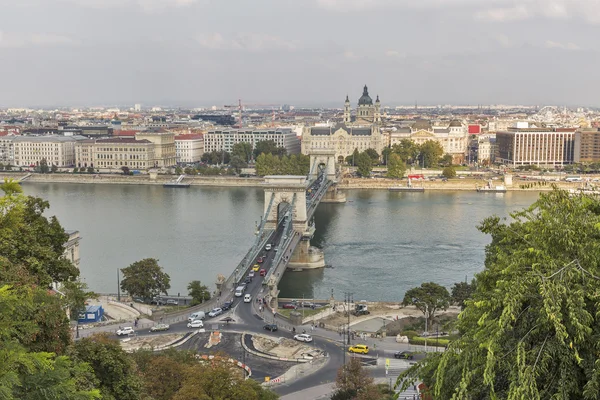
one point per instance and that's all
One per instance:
(215, 311)
(160, 327)
(289, 306)
(263, 272)
(276, 249)
(260, 260)
(359, 348)
(270, 327)
(303, 337)
(172, 302)
(197, 323)
(309, 305)
(247, 298)
(406, 355)
(251, 274)
(247, 280)
(227, 305)
(127, 330)
(157, 301)
(268, 247)
(255, 267)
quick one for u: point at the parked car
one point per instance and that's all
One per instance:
(127, 330)
(157, 301)
(196, 315)
(359, 348)
(160, 327)
(247, 298)
(227, 305)
(309, 305)
(172, 302)
(251, 274)
(215, 311)
(263, 272)
(303, 337)
(270, 327)
(289, 306)
(406, 355)
(197, 323)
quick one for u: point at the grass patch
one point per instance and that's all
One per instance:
(286, 312)
(430, 341)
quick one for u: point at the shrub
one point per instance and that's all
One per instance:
(410, 334)
(430, 341)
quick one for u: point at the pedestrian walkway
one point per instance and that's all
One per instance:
(315, 392)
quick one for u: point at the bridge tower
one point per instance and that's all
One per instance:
(322, 159)
(284, 187)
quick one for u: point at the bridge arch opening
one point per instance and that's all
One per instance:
(340, 159)
(282, 209)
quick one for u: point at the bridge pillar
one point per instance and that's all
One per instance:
(324, 158)
(306, 257)
(284, 187)
(334, 195)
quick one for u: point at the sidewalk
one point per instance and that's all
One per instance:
(315, 392)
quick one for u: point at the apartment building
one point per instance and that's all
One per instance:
(57, 150)
(116, 153)
(189, 148)
(535, 146)
(7, 151)
(587, 145)
(225, 139)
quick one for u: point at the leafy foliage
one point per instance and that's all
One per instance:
(243, 151)
(431, 152)
(268, 147)
(354, 382)
(449, 172)
(407, 150)
(296, 164)
(145, 279)
(43, 166)
(372, 153)
(461, 291)
(428, 298)
(531, 329)
(396, 167)
(365, 165)
(199, 292)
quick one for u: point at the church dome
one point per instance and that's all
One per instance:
(365, 99)
(455, 124)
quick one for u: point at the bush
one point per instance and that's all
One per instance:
(410, 334)
(430, 341)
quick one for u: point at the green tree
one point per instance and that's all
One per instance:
(75, 170)
(199, 292)
(385, 154)
(374, 156)
(43, 166)
(125, 170)
(53, 168)
(188, 171)
(446, 160)
(8, 167)
(407, 150)
(431, 152)
(76, 294)
(396, 167)
(145, 279)
(365, 165)
(268, 147)
(428, 298)
(114, 368)
(90, 170)
(531, 328)
(449, 172)
(354, 382)
(178, 170)
(243, 151)
(237, 163)
(461, 292)
(352, 159)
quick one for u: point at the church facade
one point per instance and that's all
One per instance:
(361, 132)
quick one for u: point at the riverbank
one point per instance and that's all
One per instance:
(230, 181)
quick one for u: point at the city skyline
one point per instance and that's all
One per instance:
(194, 53)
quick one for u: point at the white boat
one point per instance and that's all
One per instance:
(489, 188)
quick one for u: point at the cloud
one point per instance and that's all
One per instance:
(254, 42)
(16, 40)
(395, 54)
(503, 40)
(144, 5)
(564, 46)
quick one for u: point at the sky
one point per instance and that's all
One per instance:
(197, 53)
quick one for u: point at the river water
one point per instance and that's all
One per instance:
(379, 244)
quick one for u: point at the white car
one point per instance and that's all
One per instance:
(268, 247)
(214, 312)
(247, 298)
(303, 337)
(197, 323)
(125, 331)
(251, 274)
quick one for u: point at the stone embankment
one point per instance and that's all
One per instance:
(227, 181)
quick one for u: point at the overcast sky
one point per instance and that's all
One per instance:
(302, 52)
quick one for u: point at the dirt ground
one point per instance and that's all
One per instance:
(147, 342)
(284, 347)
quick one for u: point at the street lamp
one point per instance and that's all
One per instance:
(426, 333)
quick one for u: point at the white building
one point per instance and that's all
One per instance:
(535, 146)
(57, 150)
(189, 148)
(225, 139)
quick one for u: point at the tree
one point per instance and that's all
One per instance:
(266, 147)
(243, 151)
(374, 155)
(353, 158)
(43, 166)
(365, 165)
(531, 328)
(385, 154)
(353, 382)
(75, 170)
(145, 279)
(76, 294)
(178, 170)
(396, 167)
(125, 170)
(237, 163)
(461, 291)
(407, 150)
(431, 151)
(199, 292)
(446, 160)
(428, 298)
(113, 367)
(90, 170)
(449, 172)
(54, 168)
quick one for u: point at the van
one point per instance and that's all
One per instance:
(268, 247)
(239, 291)
(196, 315)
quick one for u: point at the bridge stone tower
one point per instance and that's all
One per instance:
(284, 187)
(323, 159)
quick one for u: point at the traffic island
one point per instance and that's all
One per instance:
(282, 349)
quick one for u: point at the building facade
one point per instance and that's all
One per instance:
(72, 248)
(225, 139)
(7, 150)
(56, 150)
(366, 112)
(164, 150)
(116, 153)
(587, 146)
(189, 148)
(342, 138)
(535, 146)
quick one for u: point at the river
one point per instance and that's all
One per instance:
(379, 244)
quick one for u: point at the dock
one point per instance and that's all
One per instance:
(178, 183)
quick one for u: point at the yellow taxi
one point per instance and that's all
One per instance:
(255, 267)
(359, 348)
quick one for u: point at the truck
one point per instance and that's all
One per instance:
(361, 309)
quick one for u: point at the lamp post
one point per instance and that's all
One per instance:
(426, 333)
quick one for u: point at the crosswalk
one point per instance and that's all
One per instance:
(394, 367)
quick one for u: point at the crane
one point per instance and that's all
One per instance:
(241, 107)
